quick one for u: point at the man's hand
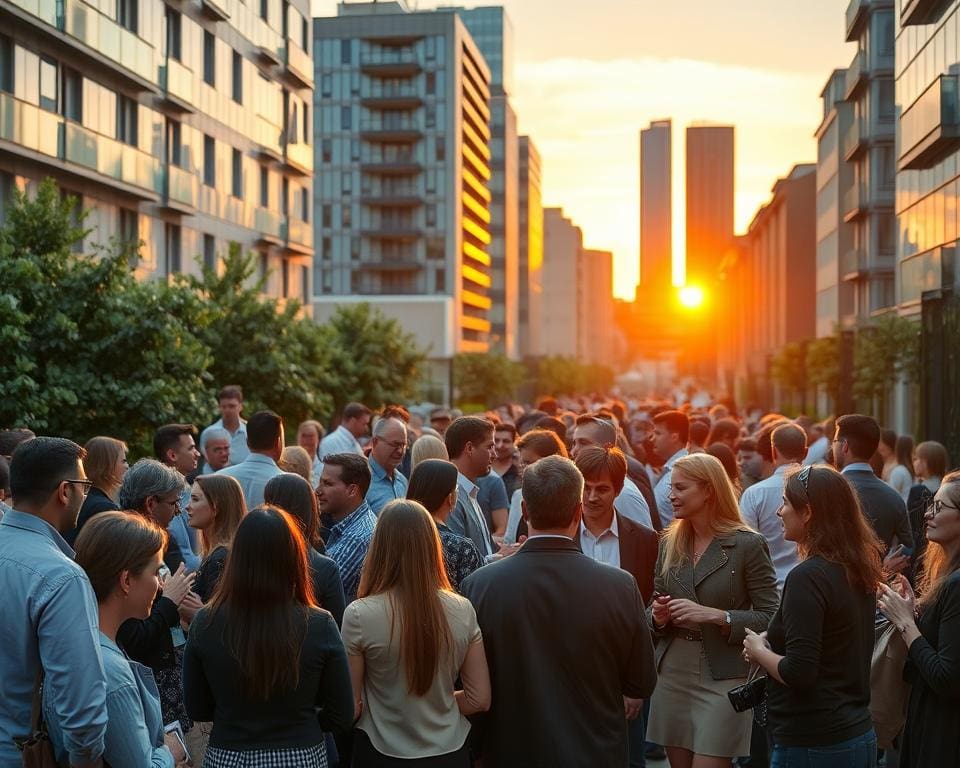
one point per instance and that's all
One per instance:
(632, 707)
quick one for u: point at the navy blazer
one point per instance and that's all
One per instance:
(883, 506)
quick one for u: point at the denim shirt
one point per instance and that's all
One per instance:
(135, 728)
(382, 488)
(48, 617)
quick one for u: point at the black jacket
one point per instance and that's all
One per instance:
(95, 503)
(639, 547)
(327, 586)
(883, 506)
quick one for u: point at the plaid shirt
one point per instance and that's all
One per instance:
(348, 544)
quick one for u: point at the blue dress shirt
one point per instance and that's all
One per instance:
(382, 488)
(348, 544)
(48, 617)
(341, 440)
(254, 472)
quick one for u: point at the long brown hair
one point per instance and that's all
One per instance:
(838, 531)
(266, 594)
(405, 559)
(225, 495)
(935, 566)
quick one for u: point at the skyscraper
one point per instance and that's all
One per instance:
(531, 249)
(561, 300)
(709, 193)
(656, 206)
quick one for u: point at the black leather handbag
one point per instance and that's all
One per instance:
(751, 695)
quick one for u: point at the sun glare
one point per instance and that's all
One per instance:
(691, 296)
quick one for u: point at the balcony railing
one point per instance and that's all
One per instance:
(30, 127)
(300, 157)
(390, 62)
(298, 232)
(181, 186)
(853, 263)
(268, 222)
(857, 73)
(854, 140)
(299, 65)
(177, 81)
(930, 127)
(267, 135)
(914, 12)
(854, 203)
(856, 15)
(104, 35)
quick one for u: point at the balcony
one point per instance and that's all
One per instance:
(853, 265)
(269, 224)
(916, 12)
(213, 10)
(392, 264)
(403, 232)
(176, 81)
(391, 130)
(390, 62)
(298, 236)
(398, 102)
(299, 158)
(393, 199)
(298, 66)
(179, 191)
(268, 140)
(857, 12)
(854, 203)
(930, 127)
(855, 141)
(29, 127)
(391, 167)
(858, 74)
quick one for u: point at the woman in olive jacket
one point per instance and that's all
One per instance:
(714, 580)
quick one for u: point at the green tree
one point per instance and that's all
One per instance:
(788, 370)
(372, 359)
(884, 350)
(87, 349)
(486, 378)
(823, 365)
(565, 375)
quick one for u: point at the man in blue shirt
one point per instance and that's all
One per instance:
(265, 440)
(343, 486)
(48, 614)
(387, 449)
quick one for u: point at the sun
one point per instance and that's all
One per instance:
(691, 296)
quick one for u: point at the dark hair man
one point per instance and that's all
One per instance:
(581, 705)
(265, 441)
(854, 443)
(174, 446)
(671, 432)
(230, 402)
(749, 461)
(47, 598)
(469, 441)
(341, 493)
(11, 438)
(505, 465)
(346, 437)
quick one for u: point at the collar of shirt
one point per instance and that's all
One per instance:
(614, 529)
(782, 469)
(27, 522)
(340, 528)
(259, 458)
(673, 459)
(467, 485)
(858, 466)
(548, 536)
(241, 429)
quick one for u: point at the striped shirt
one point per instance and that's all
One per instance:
(348, 544)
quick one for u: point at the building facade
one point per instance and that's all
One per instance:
(709, 196)
(596, 333)
(403, 150)
(185, 126)
(492, 31)
(560, 301)
(656, 205)
(530, 255)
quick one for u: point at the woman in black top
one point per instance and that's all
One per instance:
(263, 662)
(818, 648)
(105, 465)
(433, 483)
(215, 510)
(293, 495)
(932, 731)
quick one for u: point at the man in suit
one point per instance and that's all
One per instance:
(469, 441)
(566, 638)
(855, 441)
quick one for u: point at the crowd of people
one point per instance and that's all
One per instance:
(586, 582)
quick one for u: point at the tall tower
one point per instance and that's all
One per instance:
(709, 190)
(656, 216)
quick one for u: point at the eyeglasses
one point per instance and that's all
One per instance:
(804, 477)
(87, 485)
(938, 506)
(397, 445)
(173, 503)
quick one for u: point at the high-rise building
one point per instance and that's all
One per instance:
(868, 265)
(709, 195)
(403, 213)
(595, 329)
(183, 125)
(656, 206)
(492, 31)
(561, 298)
(928, 207)
(530, 283)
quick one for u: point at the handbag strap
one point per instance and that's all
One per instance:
(754, 671)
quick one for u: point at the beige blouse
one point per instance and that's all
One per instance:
(398, 723)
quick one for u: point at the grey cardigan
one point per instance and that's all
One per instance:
(734, 574)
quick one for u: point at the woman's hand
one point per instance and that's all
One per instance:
(689, 614)
(754, 645)
(661, 610)
(178, 585)
(172, 742)
(189, 606)
(898, 606)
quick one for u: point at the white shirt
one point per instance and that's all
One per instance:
(630, 503)
(317, 469)
(661, 490)
(900, 480)
(341, 440)
(238, 442)
(469, 489)
(604, 548)
(513, 519)
(817, 451)
(759, 505)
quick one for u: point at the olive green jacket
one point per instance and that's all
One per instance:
(734, 574)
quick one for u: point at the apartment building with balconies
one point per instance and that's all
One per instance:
(183, 125)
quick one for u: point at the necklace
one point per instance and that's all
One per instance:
(698, 555)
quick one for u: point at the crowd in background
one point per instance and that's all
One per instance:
(582, 582)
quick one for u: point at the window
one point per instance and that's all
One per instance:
(285, 197)
(441, 149)
(172, 243)
(174, 144)
(209, 58)
(127, 14)
(264, 265)
(346, 217)
(209, 161)
(129, 226)
(326, 150)
(346, 118)
(326, 85)
(6, 64)
(264, 187)
(305, 285)
(440, 280)
(346, 53)
(346, 183)
(305, 34)
(355, 149)
(174, 25)
(305, 204)
(237, 78)
(307, 128)
(355, 248)
(435, 248)
(127, 120)
(49, 85)
(236, 186)
(265, 10)
(885, 91)
(326, 249)
(326, 215)
(431, 48)
(431, 119)
(431, 83)
(431, 212)
(209, 252)
(72, 101)
(285, 277)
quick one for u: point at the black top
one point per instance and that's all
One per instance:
(566, 639)
(824, 628)
(96, 502)
(289, 718)
(932, 733)
(209, 573)
(327, 586)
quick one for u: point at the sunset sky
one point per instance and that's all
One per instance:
(590, 75)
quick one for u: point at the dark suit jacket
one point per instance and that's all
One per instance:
(565, 639)
(883, 506)
(463, 521)
(639, 546)
(638, 473)
(95, 503)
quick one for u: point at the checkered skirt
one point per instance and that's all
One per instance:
(308, 757)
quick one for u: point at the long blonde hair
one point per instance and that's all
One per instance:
(935, 566)
(225, 495)
(405, 559)
(725, 516)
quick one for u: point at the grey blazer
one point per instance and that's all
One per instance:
(464, 522)
(734, 574)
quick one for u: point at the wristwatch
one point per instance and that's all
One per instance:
(728, 618)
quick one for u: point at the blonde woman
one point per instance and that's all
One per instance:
(427, 447)
(105, 465)
(296, 460)
(408, 637)
(215, 510)
(714, 580)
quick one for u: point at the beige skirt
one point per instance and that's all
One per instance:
(690, 709)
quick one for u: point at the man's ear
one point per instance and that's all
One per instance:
(523, 511)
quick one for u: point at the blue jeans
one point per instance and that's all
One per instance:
(860, 752)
